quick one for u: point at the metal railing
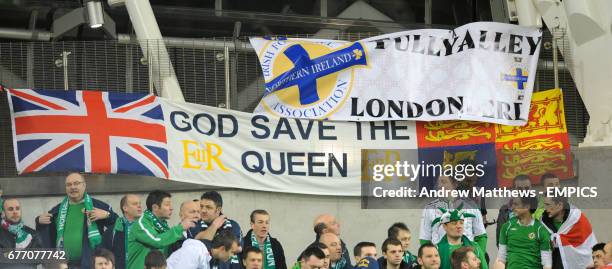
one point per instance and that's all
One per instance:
(222, 72)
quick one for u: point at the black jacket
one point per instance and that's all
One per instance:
(213, 263)
(48, 233)
(382, 264)
(115, 242)
(7, 240)
(502, 217)
(277, 249)
(234, 227)
(557, 262)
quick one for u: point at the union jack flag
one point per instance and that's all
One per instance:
(89, 131)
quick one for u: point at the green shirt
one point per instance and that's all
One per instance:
(73, 233)
(524, 243)
(452, 248)
(446, 249)
(144, 236)
(557, 224)
(297, 265)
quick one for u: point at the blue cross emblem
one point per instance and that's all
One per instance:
(306, 71)
(518, 78)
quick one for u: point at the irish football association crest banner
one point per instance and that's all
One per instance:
(482, 71)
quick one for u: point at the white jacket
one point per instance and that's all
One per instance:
(193, 254)
(472, 227)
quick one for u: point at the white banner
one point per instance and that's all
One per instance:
(481, 71)
(218, 147)
(117, 133)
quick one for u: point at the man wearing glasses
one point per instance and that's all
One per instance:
(77, 223)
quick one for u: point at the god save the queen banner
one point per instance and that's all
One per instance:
(118, 133)
(102, 132)
(481, 71)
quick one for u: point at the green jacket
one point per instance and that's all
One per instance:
(144, 236)
(445, 253)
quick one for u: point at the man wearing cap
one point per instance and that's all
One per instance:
(474, 228)
(452, 221)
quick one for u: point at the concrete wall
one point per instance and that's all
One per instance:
(292, 216)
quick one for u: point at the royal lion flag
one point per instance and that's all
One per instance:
(541, 146)
(575, 238)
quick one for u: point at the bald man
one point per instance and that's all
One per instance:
(336, 259)
(189, 210)
(116, 239)
(14, 234)
(330, 223)
(326, 223)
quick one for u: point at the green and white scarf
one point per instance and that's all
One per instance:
(123, 225)
(409, 258)
(93, 234)
(226, 225)
(267, 249)
(340, 263)
(1, 205)
(160, 226)
(22, 237)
